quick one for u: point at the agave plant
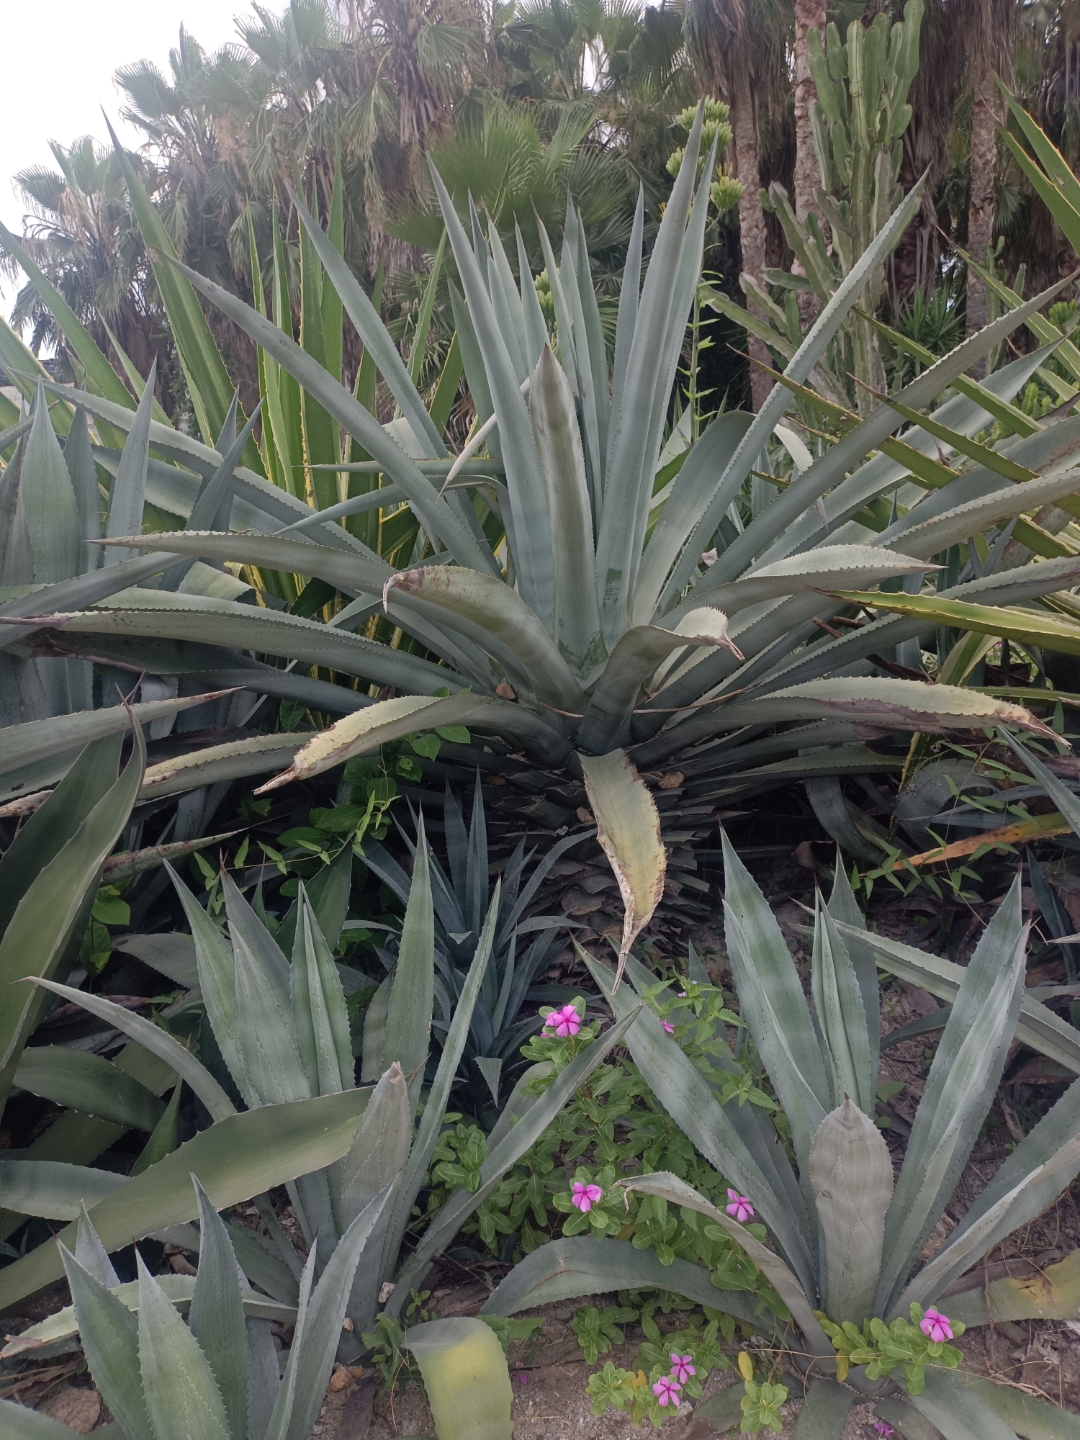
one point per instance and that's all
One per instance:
(846, 1237)
(460, 897)
(283, 1032)
(562, 590)
(219, 1375)
(50, 879)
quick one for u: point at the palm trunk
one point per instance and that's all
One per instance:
(809, 15)
(751, 215)
(981, 204)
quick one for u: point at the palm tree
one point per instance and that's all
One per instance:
(809, 15)
(726, 43)
(990, 34)
(80, 229)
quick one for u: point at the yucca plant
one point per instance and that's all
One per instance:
(845, 1236)
(218, 1376)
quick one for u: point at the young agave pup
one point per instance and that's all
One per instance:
(845, 1237)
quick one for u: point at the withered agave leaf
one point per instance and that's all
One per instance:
(628, 829)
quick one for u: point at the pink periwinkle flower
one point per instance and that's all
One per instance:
(740, 1208)
(682, 1367)
(936, 1325)
(521, 1377)
(883, 1428)
(667, 1390)
(584, 1197)
(668, 1026)
(564, 1022)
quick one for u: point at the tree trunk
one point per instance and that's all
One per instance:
(809, 15)
(751, 216)
(981, 205)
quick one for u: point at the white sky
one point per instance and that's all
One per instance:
(60, 57)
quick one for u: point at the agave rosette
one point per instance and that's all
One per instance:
(561, 595)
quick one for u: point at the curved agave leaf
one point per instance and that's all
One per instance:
(57, 898)
(676, 1192)
(1029, 1416)
(169, 615)
(1031, 1178)
(957, 1412)
(242, 1154)
(954, 526)
(501, 621)
(822, 568)
(880, 475)
(74, 594)
(365, 731)
(348, 572)
(79, 1080)
(256, 502)
(628, 829)
(53, 1189)
(217, 763)
(633, 662)
(1035, 627)
(565, 1268)
(63, 1324)
(38, 739)
(156, 1040)
(885, 704)
(1012, 586)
